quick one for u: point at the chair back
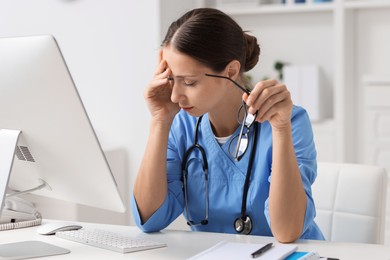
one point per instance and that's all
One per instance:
(351, 202)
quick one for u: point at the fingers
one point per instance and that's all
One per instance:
(160, 80)
(269, 98)
(162, 66)
(160, 85)
(260, 92)
(280, 105)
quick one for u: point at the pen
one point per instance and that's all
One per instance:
(262, 250)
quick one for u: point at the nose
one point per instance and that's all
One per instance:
(177, 92)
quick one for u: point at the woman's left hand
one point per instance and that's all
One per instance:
(272, 101)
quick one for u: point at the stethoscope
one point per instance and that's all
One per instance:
(242, 224)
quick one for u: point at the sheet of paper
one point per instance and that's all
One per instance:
(233, 250)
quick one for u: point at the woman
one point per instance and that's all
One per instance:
(205, 157)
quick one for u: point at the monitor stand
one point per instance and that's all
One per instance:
(23, 249)
(8, 142)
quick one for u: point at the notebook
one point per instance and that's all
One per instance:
(235, 250)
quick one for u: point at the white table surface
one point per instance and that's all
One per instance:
(184, 244)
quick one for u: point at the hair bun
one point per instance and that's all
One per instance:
(252, 52)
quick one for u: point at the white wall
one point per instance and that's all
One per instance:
(110, 47)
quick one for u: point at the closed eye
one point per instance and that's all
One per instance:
(187, 80)
(189, 83)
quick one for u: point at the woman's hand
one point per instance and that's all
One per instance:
(272, 101)
(158, 94)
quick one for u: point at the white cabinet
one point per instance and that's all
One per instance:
(375, 143)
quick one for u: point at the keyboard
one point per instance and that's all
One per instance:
(109, 240)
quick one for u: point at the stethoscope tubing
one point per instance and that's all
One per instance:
(248, 172)
(196, 145)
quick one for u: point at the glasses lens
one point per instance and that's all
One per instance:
(239, 143)
(249, 120)
(238, 146)
(242, 113)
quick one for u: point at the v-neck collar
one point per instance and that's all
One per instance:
(222, 151)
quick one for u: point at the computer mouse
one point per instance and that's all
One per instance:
(52, 228)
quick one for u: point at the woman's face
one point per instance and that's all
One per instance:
(192, 90)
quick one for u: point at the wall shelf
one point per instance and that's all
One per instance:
(366, 4)
(302, 7)
(376, 80)
(279, 9)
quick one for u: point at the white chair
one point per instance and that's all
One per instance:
(351, 202)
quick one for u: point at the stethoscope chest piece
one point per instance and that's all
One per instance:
(243, 225)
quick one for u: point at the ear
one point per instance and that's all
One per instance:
(233, 69)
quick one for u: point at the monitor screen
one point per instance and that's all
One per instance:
(57, 145)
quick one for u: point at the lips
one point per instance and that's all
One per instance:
(186, 108)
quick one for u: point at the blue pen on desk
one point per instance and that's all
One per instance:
(262, 250)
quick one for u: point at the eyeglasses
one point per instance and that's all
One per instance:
(234, 82)
(239, 143)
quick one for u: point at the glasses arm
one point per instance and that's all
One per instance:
(235, 83)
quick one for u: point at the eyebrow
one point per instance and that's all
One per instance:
(186, 76)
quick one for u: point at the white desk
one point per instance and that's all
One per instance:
(184, 244)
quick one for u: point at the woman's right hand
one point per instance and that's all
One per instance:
(158, 94)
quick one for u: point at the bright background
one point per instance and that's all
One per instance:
(111, 46)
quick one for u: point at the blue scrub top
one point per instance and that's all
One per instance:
(227, 177)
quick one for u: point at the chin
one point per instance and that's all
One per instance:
(194, 113)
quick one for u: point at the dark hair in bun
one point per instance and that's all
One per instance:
(213, 38)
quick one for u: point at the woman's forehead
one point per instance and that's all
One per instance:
(182, 64)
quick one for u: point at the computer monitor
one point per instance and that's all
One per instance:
(44, 123)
